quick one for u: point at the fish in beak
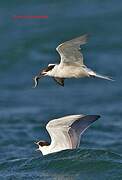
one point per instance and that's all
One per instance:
(42, 73)
(36, 78)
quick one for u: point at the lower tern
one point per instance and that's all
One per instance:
(65, 132)
(71, 64)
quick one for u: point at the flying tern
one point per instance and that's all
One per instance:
(65, 132)
(71, 64)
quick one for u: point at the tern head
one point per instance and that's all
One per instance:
(41, 144)
(48, 69)
(43, 72)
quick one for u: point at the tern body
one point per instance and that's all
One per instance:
(71, 64)
(68, 71)
(66, 132)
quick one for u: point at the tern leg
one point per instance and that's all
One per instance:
(60, 81)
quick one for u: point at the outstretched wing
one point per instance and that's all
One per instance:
(79, 126)
(65, 132)
(70, 51)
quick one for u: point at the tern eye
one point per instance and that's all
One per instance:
(40, 143)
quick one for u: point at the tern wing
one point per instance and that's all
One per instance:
(65, 132)
(70, 51)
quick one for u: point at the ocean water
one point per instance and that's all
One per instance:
(26, 45)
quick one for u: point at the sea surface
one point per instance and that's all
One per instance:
(28, 45)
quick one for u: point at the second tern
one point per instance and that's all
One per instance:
(65, 132)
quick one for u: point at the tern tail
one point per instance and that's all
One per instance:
(103, 77)
(94, 74)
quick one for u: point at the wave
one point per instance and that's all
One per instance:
(71, 160)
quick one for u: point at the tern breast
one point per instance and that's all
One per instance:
(68, 71)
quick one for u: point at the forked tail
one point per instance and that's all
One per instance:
(94, 74)
(103, 77)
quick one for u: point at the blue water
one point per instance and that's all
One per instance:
(28, 45)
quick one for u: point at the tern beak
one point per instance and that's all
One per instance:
(36, 143)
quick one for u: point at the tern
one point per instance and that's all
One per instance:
(65, 133)
(71, 64)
